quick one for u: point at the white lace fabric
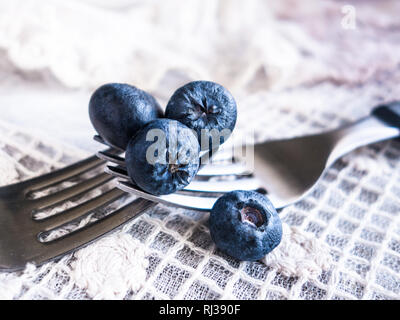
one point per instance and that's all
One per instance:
(299, 72)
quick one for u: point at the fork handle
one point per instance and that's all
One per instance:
(388, 113)
(382, 124)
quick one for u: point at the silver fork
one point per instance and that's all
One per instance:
(285, 170)
(20, 233)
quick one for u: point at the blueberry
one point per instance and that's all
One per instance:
(245, 225)
(204, 105)
(163, 157)
(117, 111)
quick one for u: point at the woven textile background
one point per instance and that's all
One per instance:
(293, 70)
(352, 218)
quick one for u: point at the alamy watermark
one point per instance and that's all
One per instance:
(349, 19)
(164, 149)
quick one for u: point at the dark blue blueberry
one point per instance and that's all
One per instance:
(204, 105)
(245, 225)
(118, 111)
(163, 157)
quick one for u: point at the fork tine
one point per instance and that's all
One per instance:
(184, 200)
(223, 186)
(210, 169)
(84, 236)
(236, 169)
(81, 210)
(218, 155)
(65, 173)
(200, 186)
(101, 140)
(72, 191)
(117, 171)
(111, 157)
(227, 170)
(175, 199)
